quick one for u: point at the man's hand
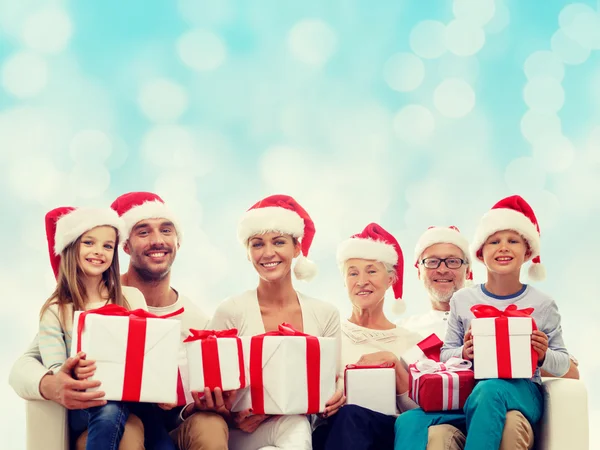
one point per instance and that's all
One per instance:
(245, 421)
(539, 342)
(63, 389)
(216, 401)
(467, 352)
(85, 368)
(377, 358)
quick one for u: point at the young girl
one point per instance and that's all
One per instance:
(83, 247)
(275, 231)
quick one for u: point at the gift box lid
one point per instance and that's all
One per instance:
(516, 326)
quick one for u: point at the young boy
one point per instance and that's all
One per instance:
(506, 238)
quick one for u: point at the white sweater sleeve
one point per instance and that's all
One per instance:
(27, 373)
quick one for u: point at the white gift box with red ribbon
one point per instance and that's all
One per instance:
(135, 353)
(215, 359)
(372, 387)
(288, 372)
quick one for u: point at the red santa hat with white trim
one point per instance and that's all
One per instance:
(65, 224)
(443, 235)
(375, 243)
(134, 207)
(512, 213)
(283, 214)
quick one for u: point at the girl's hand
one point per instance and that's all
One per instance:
(167, 406)
(248, 423)
(467, 352)
(334, 404)
(85, 368)
(539, 342)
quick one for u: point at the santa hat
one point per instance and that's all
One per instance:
(512, 213)
(65, 224)
(443, 235)
(283, 214)
(375, 243)
(134, 207)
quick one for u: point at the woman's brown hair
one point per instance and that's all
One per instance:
(69, 285)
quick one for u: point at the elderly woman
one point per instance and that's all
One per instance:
(275, 231)
(371, 263)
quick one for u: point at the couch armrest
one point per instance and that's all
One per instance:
(46, 425)
(565, 424)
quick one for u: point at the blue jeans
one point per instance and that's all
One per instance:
(483, 418)
(356, 428)
(105, 425)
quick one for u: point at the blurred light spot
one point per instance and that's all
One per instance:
(205, 12)
(414, 124)
(568, 50)
(544, 63)
(454, 98)
(312, 41)
(162, 100)
(477, 12)
(427, 39)
(582, 24)
(536, 125)
(404, 72)
(500, 20)
(554, 153)
(547, 208)
(89, 180)
(285, 168)
(169, 146)
(463, 38)
(90, 146)
(201, 50)
(48, 30)
(453, 66)
(525, 176)
(24, 74)
(34, 178)
(544, 94)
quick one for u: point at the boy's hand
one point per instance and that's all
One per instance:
(467, 352)
(167, 406)
(85, 368)
(539, 342)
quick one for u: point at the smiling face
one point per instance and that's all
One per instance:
(366, 282)
(272, 255)
(152, 247)
(442, 283)
(96, 250)
(504, 252)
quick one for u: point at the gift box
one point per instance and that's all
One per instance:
(136, 352)
(372, 387)
(502, 342)
(215, 359)
(428, 348)
(288, 372)
(436, 386)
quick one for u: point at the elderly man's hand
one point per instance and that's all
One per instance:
(62, 388)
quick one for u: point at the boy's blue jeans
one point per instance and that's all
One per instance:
(106, 424)
(483, 417)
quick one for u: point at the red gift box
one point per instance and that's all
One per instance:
(435, 386)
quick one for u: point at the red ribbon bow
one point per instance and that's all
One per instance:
(313, 368)
(502, 335)
(136, 343)
(210, 355)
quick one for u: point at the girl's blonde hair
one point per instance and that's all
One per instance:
(70, 288)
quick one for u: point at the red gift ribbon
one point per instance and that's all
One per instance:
(210, 355)
(431, 346)
(502, 336)
(313, 368)
(136, 344)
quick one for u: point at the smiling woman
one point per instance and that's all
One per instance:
(276, 231)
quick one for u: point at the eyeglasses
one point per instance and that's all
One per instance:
(451, 263)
